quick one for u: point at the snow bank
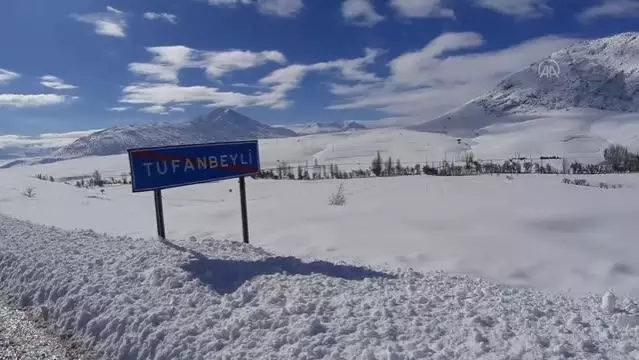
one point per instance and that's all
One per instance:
(142, 299)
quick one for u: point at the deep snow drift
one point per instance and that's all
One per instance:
(202, 299)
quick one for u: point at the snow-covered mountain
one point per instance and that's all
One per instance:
(598, 74)
(219, 125)
(24, 151)
(326, 127)
(30, 146)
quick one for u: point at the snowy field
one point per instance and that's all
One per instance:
(532, 230)
(197, 299)
(526, 259)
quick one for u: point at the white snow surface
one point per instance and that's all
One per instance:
(202, 299)
(531, 231)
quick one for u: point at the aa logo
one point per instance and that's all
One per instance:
(548, 68)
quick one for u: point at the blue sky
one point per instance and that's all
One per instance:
(78, 64)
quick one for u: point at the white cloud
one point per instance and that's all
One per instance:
(7, 76)
(166, 63)
(43, 140)
(282, 8)
(155, 109)
(273, 91)
(114, 10)
(55, 83)
(611, 8)
(119, 108)
(109, 23)
(159, 72)
(413, 68)
(289, 78)
(161, 110)
(517, 8)
(220, 63)
(360, 12)
(170, 18)
(169, 60)
(164, 94)
(245, 85)
(422, 9)
(230, 2)
(31, 100)
(426, 83)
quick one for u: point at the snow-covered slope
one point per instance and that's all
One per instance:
(598, 74)
(323, 128)
(219, 125)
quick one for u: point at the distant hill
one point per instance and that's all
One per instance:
(600, 74)
(219, 125)
(326, 127)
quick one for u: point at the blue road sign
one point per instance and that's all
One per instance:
(172, 166)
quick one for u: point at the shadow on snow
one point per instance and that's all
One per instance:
(226, 276)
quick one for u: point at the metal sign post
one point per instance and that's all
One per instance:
(245, 231)
(159, 214)
(158, 168)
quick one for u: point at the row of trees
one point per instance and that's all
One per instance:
(394, 167)
(620, 159)
(45, 177)
(96, 180)
(617, 159)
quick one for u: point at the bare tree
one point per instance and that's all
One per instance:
(617, 156)
(97, 179)
(29, 192)
(528, 166)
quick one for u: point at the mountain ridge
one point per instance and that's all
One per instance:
(325, 127)
(220, 124)
(598, 74)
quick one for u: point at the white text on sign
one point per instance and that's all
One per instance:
(163, 167)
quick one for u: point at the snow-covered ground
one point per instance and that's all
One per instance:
(131, 297)
(134, 299)
(532, 230)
